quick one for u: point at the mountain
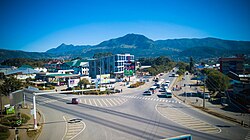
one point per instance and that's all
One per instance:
(141, 46)
(6, 54)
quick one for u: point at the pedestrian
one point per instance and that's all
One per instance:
(196, 100)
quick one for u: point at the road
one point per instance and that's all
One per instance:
(130, 116)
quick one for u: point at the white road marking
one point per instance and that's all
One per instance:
(99, 102)
(186, 120)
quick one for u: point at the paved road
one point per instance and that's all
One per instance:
(130, 116)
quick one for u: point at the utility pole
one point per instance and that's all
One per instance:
(204, 88)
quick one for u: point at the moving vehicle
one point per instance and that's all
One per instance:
(148, 92)
(207, 96)
(168, 93)
(75, 101)
(153, 88)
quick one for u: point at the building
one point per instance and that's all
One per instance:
(53, 65)
(117, 65)
(23, 72)
(80, 67)
(234, 64)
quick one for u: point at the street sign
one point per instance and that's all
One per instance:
(32, 111)
(10, 110)
(19, 122)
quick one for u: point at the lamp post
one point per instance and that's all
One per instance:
(34, 113)
(204, 88)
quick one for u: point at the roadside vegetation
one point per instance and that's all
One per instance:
(4, 132)
(216, 82)
(18, 62)
(158, 65)
(137, 84)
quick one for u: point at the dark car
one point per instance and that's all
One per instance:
(75, 101)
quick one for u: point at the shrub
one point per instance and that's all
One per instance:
(4, 133)
(137, 84)
(11, 120)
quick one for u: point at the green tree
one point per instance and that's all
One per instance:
(84, 82)
(102, 54)
(216, 81)
(9, 85)
(191, 65)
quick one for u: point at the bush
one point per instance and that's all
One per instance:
(4, 133)
(11, 120)
(137, 84)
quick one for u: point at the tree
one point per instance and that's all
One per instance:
(100, 55)
(191, 65)
(9, 85)
(84, 82)
(216, 81)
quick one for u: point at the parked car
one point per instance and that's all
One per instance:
(75, 101)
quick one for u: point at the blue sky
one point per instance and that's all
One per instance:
(39, 25)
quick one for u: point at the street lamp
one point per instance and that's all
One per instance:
(34, 113)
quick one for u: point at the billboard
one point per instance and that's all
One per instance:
(105, 78)
(73, 82)
(129, 68)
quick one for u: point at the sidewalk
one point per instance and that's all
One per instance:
(212, 107)
(26, 131)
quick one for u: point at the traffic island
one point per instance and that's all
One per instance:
(20, 125)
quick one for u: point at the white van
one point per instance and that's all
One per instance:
(153, 88)
(168, 93)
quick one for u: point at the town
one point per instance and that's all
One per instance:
(124, 70)
(224, 83)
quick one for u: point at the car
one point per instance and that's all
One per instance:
(75, 101)
(207, 96)
(148, 92)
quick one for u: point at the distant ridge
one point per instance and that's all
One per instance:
(141, 46)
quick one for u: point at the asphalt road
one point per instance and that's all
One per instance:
(129, 116)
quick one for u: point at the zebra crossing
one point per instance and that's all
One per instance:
(186, 120)
(44, 100)
(103, 102)
(73, 128)
(152, 99)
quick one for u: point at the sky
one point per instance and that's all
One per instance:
(39, 25)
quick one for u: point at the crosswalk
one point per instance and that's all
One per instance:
(103, 102)
(40, 100)
(152, 99)
(73, 128)
(186, 120)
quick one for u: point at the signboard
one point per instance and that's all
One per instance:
(105, 78)
(32, 111)
(73, 82)
(10, 110)
(7, 106)
(102, 89)
(129, 69)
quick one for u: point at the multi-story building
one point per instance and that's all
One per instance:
(53, 66)
(80, 67)
(116, 65)
(234, 64)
